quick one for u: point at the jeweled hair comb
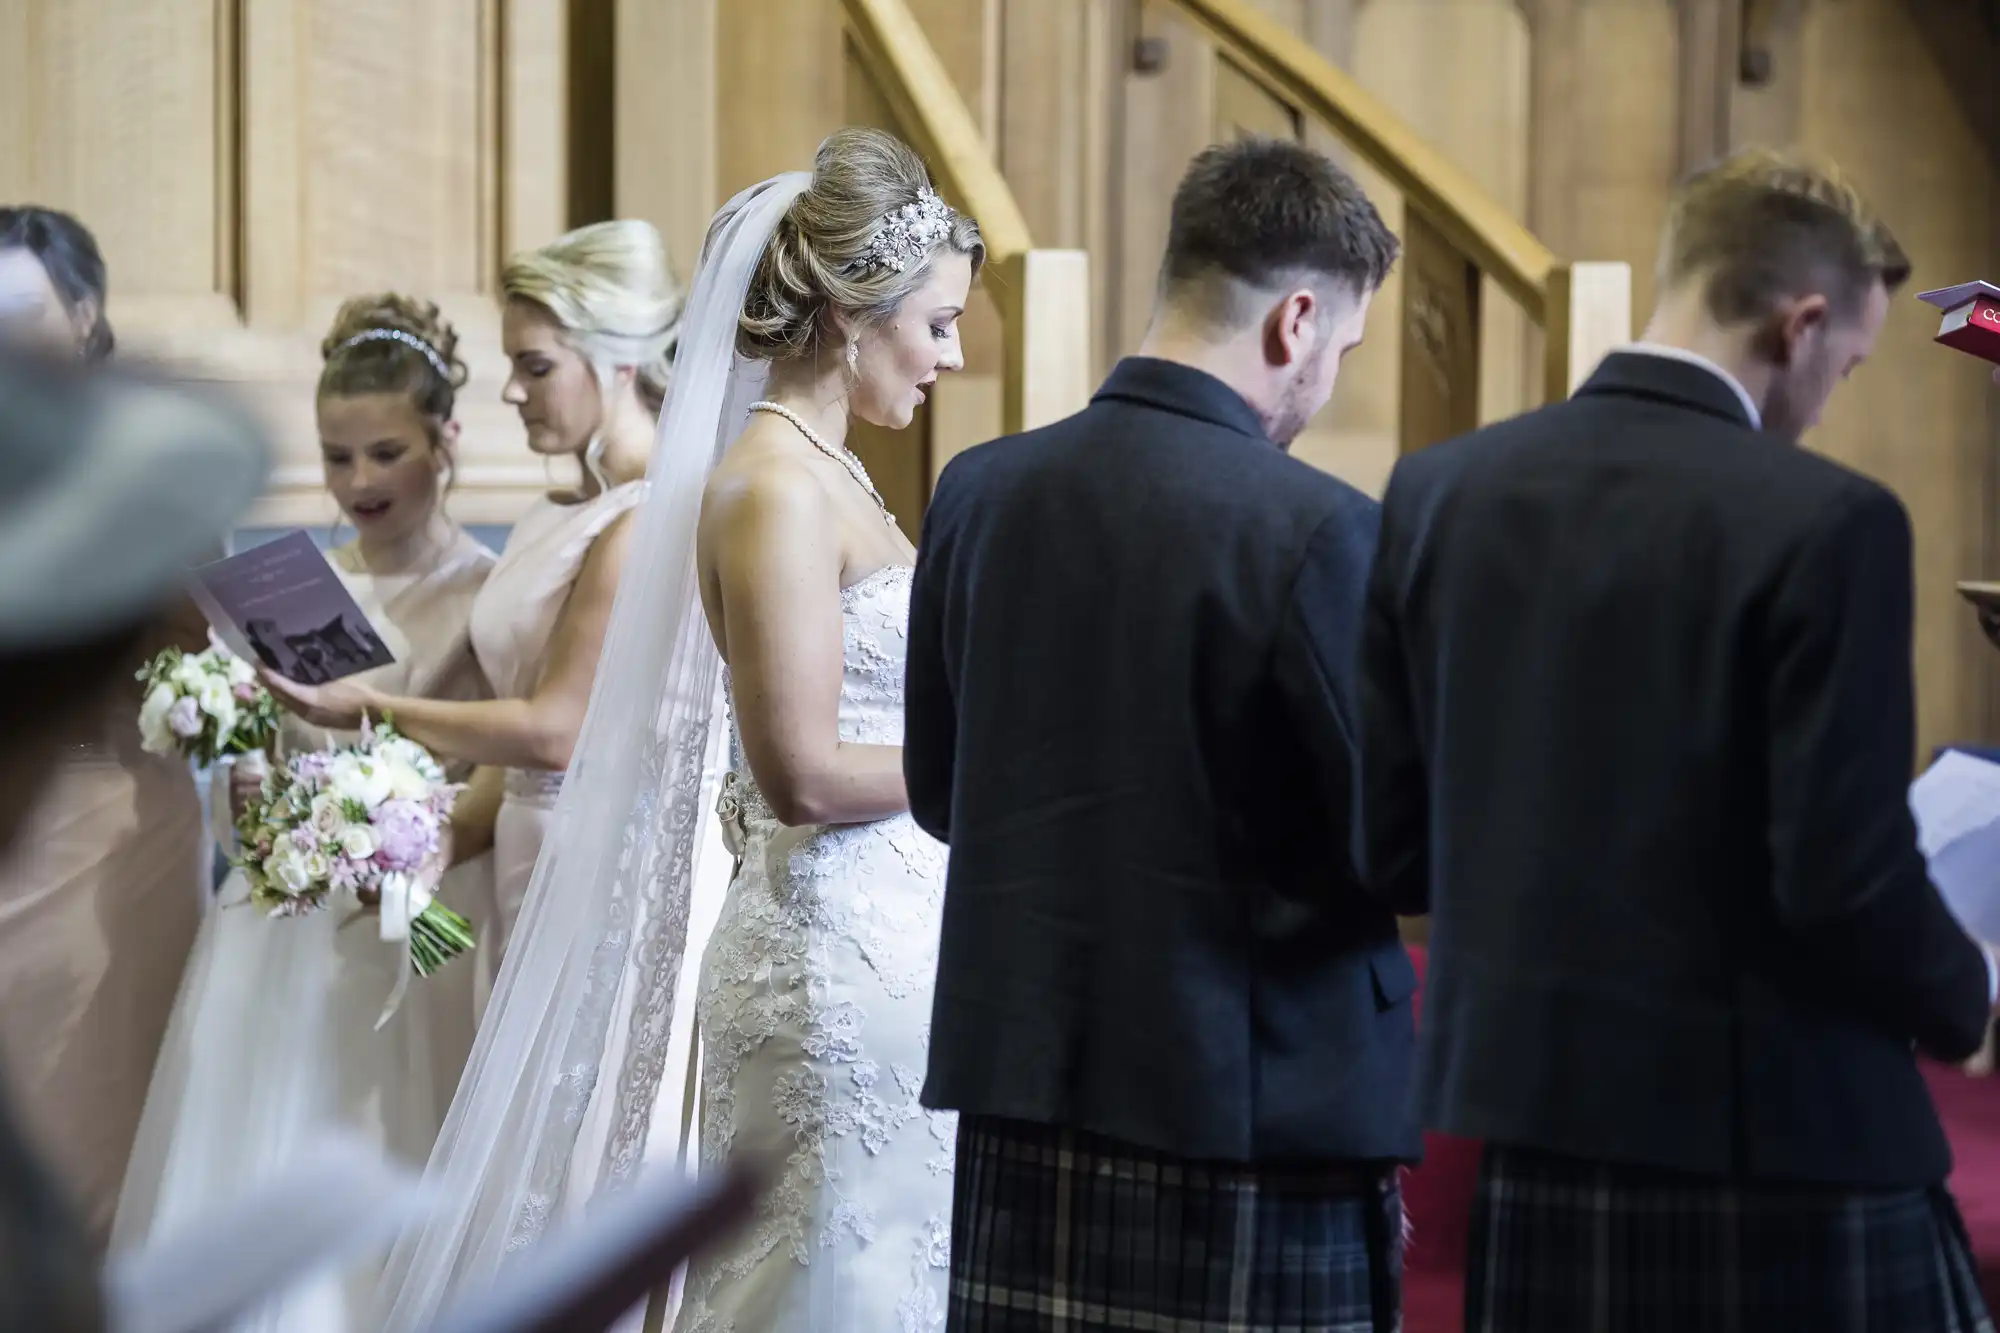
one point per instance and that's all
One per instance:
(908, 234)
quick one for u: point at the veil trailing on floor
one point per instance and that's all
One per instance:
(609, 904)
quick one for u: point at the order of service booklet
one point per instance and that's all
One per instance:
(283, 605)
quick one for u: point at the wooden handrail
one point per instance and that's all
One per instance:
(1472, 221)
(906, 69)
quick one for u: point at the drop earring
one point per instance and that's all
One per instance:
(854, 358)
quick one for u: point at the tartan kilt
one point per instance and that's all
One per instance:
(1057, 1231)
(1560, 1246)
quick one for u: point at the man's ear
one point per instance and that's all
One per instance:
(1791, 324)
(1291, 327)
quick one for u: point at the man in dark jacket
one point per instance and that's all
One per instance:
(1172, 1023)
(1637, 721)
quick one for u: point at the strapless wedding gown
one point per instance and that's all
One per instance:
(815, 1021)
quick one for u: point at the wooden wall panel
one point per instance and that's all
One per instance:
(1169, 116)
(392, 145)
(667, 120)
(1243, 110)
(1601, 181)
(107, 103)
(1918, 416)
(781, 69)
(1059, 140)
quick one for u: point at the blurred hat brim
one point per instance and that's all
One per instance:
(112, 482)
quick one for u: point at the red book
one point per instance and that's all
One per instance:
(1972, 318)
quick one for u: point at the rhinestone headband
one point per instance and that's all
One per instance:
(908, 234)
(409, 340)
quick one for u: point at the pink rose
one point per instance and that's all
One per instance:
(246, 693)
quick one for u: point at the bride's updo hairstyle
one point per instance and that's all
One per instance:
(829, 256)
(609, 289)
(389, 343)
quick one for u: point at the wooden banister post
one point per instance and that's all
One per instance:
(1044, 300)
(1588, 312)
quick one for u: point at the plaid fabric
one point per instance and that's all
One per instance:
(1558, 1246)
(1055, 1231)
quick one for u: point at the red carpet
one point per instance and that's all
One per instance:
(1438, 1196)
(1970, 1109)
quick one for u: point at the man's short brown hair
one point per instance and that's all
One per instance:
(1266, 211)
(1759, 226)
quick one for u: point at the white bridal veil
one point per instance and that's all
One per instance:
(609, 903)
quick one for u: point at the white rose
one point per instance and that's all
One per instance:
(214, 699)
(240, 672)
(356, 778)
(407, 752)
(187, 675)
(407, 782)
(319, 866)
(154, 734)
(358, 842)
(327, 815)
(288, 872)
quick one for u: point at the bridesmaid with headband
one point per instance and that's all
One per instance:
(275, 1033)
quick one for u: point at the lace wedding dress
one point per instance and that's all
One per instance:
(814, 1013)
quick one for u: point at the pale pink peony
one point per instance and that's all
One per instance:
(407, 833)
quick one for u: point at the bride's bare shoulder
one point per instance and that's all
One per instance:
(761, 480)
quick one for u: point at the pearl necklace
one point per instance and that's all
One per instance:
(843, 456)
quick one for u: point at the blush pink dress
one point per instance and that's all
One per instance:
(99, 904)
(512, 623)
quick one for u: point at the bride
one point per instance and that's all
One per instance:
(815, 994)
(818, 297)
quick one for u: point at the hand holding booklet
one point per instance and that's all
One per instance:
(283, 605)
(1957, 807)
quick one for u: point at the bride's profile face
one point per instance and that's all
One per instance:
(550, 383)
(898, 360)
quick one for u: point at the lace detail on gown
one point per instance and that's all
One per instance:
(815, 1019)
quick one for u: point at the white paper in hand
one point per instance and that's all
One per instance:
(1957, 807)
(340, 1201)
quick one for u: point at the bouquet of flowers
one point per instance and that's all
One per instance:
(204, 705)
(362, 822)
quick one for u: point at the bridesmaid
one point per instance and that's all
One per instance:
(100, 899)
(588, 323)
(274, 1034)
